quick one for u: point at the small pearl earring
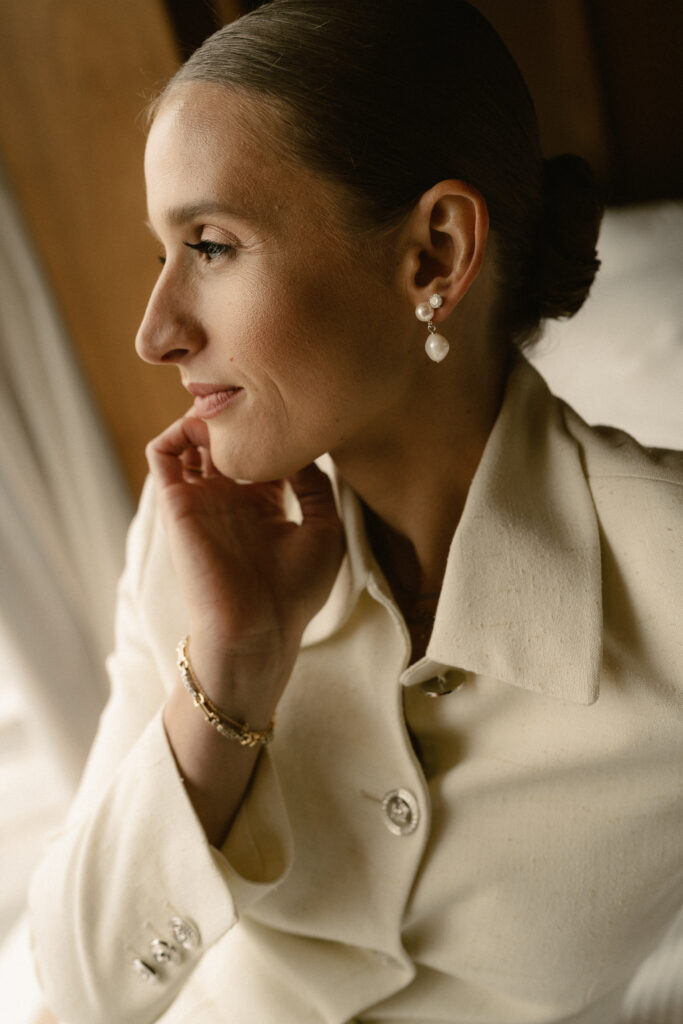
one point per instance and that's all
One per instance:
(436, 345)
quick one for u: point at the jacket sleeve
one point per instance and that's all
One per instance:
(131, 873)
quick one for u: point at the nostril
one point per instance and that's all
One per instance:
(174, 356)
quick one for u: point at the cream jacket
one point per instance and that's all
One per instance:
(513, 864)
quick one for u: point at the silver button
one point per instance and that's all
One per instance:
(144, 971)
(401, 811)
(164, 952)
(440, 685)
(184, 933)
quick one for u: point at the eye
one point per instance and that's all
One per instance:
(211, 250)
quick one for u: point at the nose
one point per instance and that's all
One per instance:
(168, 332)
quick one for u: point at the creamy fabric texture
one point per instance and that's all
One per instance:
(547, 859)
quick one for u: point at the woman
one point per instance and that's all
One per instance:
(357, 230)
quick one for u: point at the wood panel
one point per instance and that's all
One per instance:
(74, 78)
(553, 46)
(228, 10)
(639, 45)
(192, 23)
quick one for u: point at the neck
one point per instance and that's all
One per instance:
(413, 478)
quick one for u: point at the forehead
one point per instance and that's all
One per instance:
(208, 144)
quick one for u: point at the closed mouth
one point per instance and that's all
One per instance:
(210, 400)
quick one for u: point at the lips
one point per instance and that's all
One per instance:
(212, 399)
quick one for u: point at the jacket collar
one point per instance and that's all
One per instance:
(357, 565)
(521, 598)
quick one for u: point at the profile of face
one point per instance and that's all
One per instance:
(291, 340)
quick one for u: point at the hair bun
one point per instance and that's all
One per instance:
(568, 233)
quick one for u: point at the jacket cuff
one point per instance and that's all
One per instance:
(139, 868)
(258, 852)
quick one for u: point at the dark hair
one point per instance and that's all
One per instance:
(388, 97)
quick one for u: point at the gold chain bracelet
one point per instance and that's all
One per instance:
(226, 726)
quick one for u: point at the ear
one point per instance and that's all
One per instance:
(444, 244)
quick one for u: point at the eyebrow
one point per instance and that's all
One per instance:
(178, 216)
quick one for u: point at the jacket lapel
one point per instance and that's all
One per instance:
(521, 600)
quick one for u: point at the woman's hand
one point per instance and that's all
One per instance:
(252, 579)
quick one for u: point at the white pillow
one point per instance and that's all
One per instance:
(619, 361)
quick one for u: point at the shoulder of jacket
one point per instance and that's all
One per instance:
(610, 453)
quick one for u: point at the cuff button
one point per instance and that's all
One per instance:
(144, 971)
(184, 933)
(164, 952)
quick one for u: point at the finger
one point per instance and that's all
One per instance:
(198, 431)
(192, 464)
(177, 448)
(187, 432)
(208, 468)
(197, 465)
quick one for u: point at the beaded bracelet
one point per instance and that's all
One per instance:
(225, 725)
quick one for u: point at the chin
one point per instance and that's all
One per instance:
(256, 464)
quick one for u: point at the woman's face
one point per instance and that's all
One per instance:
(295, 344)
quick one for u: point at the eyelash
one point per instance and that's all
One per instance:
(207, 249)
(211, 251)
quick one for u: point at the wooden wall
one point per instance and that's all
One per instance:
(607, 81)
(74, 78)
(638, 46)
(553, 46)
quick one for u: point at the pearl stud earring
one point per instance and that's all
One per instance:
(436, 345)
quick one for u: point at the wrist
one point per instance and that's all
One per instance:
(246, 682)
(215, 716)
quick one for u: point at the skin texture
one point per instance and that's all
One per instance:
(273, 316)
(319, 333)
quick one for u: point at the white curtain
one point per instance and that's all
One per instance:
(63, 511)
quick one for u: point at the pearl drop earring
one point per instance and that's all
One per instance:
(436, 345)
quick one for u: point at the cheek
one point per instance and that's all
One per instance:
(245, 322)
(281, 326)
(224, 308)
(321, 327)
(334, 320)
